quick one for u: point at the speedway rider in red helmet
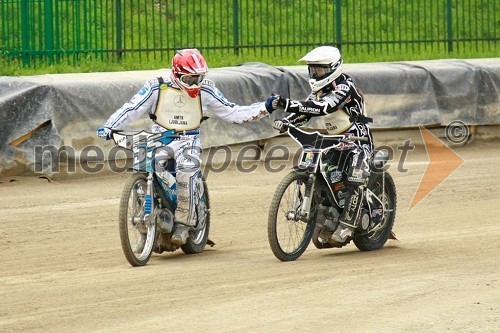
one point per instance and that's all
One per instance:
(179, 102)
(340, 103)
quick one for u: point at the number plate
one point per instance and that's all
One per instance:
(308, 159)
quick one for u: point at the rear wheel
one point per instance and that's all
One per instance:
(289, 234)
(382, 185)
(137, 236)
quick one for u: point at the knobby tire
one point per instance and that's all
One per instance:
(198, 240)
(278, 215)
(125, 224)
(370, 242)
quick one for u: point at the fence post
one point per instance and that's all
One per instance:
(49, 30)
(119, 40)
(236, 30)
(338, 24)
(449, 26)
(25, 32)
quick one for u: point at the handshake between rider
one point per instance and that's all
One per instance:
(277, 102)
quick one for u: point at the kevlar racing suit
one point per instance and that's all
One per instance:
(342, 107)
(172, 109)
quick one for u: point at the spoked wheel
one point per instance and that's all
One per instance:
(382, 185)
(197, 240)
(137, 237)
(289, 234)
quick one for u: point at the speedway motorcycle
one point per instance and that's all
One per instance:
(308, 202)
(149, 199)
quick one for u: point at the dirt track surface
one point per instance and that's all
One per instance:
(62, 268)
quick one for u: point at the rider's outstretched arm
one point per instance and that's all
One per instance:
(327, 104)
(228, 111)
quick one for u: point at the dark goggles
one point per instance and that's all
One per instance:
(192, 79)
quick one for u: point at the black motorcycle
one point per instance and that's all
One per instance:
(307, 204)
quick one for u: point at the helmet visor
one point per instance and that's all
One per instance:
(318, 72)
(192, 79)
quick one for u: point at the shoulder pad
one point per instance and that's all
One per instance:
(156, 82)
(209, 83)
(343, 87)
(153, 81)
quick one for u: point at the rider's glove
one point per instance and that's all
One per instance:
(271, 103)
(280, 125)
(281, 103)
(104, 132)
(274, 102)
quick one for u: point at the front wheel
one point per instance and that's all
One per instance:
(197, 240)
(382, 185)
(289, 233)
(137, 235)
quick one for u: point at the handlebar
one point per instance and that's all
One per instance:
(174, 133)
(131, 139)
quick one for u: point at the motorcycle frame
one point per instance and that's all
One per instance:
(144, 145)
(319, 144)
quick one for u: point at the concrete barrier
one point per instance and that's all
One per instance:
(64, 110)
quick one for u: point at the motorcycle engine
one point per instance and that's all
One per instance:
(327, 221)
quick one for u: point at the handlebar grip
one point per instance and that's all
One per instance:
(113, 131)
(191, 132)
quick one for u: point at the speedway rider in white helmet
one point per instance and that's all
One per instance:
(179, 101)
(335, 98)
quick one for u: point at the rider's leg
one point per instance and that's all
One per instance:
(357, 178)
(188, 165)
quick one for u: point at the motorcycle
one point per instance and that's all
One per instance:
(149, 199)
(308, 202)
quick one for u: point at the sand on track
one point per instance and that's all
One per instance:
(62, 268)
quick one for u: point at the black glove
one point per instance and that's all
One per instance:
(281, 103)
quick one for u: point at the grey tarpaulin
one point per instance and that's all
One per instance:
(66, 109)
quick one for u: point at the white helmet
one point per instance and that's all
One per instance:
(324, 64)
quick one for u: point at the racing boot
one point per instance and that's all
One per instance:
(342, 233)
(347, 221)
(180, 235)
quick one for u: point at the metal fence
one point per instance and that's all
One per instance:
(40, 32)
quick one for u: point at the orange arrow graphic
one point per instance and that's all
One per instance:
(442, 162)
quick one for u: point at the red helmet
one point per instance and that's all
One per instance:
(188, 70)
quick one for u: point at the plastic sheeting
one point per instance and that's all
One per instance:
(65, 110)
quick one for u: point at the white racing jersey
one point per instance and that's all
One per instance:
(172, 108)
